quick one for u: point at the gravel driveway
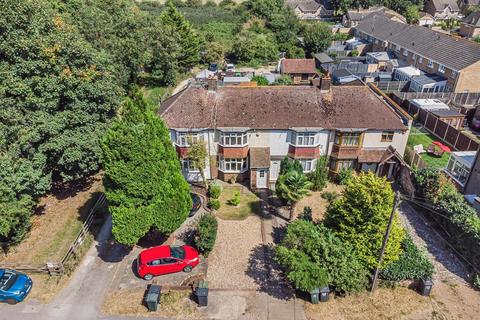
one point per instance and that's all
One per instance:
(228, 263)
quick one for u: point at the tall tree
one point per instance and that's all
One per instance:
(143, 180)
(292, 187)
(189, 40)
(361, 215)
(317, 37)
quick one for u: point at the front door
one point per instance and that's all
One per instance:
(261, 178)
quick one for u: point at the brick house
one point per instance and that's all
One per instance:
(311, 9)
(302, 71)
(455, 59)
(249, 130)
(442, 9)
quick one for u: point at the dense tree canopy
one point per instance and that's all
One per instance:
(143, 180)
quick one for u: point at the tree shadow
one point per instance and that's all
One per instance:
(151, 239)
(267, 274)
(188, 236)
(278, 233)
(111, 251)
(64, 190)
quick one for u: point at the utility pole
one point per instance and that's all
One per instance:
(396, 200)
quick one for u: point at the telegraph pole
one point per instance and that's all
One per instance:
(396, 200)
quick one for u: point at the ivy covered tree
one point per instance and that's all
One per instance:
(361, 215)
(143, 180)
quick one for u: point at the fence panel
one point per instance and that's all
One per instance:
(474, 146)
(451, 136)
(462, 142)
(441, 129)
(431, 121)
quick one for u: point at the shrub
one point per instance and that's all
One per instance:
(306, 214)
(476, 281)
(287, 165)
(361, 215)
(235, 201)
(284, 80)
(329, 196)
(344, 175)
(214, 190)
(319, 177)
(317, 247)
(260, 80)
(214, 204)
(413, 264)
(206, 234)
(354, 53)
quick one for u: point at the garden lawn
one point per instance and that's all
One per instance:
(154, 95)
(316, 202)
(420, 136)
(249, 204)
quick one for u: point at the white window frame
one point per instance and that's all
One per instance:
(308, 165)
(430, 64)
(183, 138)
(225, 165)
(305, 139)
(420, 59)
(458, 170)
(232, 139)
(405, 52)
(441, 68)
(453, 74)
(187, 166)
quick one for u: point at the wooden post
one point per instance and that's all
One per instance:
(385, 240)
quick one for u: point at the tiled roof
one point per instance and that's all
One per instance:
(370, 155)
(279, 107)
(473, 19)
(298, 66)
(451, 52)
(259, 157)
(440, 5)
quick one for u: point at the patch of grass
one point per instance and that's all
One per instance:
(420, 136)
(249, 204)
(173, 304)
(154, 95)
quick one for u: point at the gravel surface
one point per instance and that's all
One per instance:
(229, 261)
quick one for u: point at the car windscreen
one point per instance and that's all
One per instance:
(177, 252)
(7, 280)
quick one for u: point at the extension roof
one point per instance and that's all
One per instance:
(454, 53)
(279, 107)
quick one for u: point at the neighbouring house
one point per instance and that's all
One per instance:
(451, 117)
(343, 76)
(459, 166)
(380, 58)
(420, 81)
(249, 130)
(472, 184)
(302, 71)
(354, 16)
(455, 59)
(425, 19)
(442, 9)
(311, 9)
(470, 26)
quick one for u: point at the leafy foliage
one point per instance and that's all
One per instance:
(143, 181)
(235, 201)
(412, 14)
(317, 37)
(14, 216)
(412, 264)
(319, 177)
(292, 187)
(287, 165)
(260, 80)
(197, 153)
(306, 214)
(361, 216)
(214, 190)
(253, 47)
(214, 204)
(308, 245)
(206, 234)
(344, 175)
(284, 80)
(330, 196)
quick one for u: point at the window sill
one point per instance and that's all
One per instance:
(233, 146)
(386, 140)
(304, 146)
(228, 171)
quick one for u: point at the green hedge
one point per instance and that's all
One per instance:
(206, 234)
(413, 264)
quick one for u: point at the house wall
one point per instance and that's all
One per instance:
(373, 139)
(473, 183)
(468, 79)
(297, 78)
(469, 31)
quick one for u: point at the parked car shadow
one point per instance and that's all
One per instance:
(267, 274)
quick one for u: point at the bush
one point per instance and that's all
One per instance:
(214, 204)
(344, 175)
(476, 281)
(329, 196)
(306, 214)
(319, 177)
(354, 53)
(235, 201)
(260, 80)
(413, 264)
(206, 234)
(214, 190)
(315, 246)
(284, 80)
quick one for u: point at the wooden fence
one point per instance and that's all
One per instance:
(59, 268)
(413, 159)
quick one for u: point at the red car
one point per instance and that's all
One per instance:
(166, 259)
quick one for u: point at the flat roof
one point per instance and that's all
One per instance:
(410, 70)
(447, 113)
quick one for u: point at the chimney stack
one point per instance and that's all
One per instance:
(212, 83)
(325, 83)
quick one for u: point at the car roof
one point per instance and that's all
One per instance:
(155, 253)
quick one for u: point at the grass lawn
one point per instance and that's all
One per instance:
(317, 203)
(154, 95)
(249, 204)
(421, 136)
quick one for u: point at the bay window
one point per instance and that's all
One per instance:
(233, 165)
(349, 139)
(185, 138)
(188, 165)
(337, 165)
(304, 139)
(234, 139)
(307, 164)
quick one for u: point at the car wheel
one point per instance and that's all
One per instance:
(12, 301)
(187, 269)
(148, 277)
